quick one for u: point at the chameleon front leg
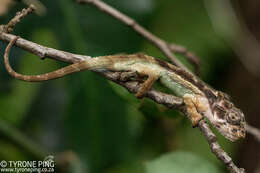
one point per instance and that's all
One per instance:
(146, 86)
(192, 104)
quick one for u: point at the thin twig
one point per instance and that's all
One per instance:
(217, 150)
(166, 48)
(253, 131)
(189, 55)
(40, 9)
(19, 15)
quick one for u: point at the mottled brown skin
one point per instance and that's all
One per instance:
(201, 100)
(229, 120)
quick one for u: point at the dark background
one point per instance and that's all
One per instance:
(93, 125)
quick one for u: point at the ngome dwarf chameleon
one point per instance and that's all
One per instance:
(200, 99)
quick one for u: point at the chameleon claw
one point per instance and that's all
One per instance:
(125, 76)
(195, 121)
(140, 95)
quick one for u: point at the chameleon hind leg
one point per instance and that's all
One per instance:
(146, 86)
(125, 76)
(191, 103)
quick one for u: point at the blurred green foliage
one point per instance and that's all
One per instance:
(108, 128)
(181, 162)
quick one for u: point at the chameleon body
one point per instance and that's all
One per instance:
(200, 99)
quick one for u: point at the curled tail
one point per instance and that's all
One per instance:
(93, 63)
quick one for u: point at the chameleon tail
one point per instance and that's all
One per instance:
(93, 63)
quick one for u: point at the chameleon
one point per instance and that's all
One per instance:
(199, 98)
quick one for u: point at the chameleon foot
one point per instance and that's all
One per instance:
(146, 86)
(125, 76)
(191, 103)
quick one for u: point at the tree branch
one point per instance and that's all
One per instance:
(19, 15)
(217, 150)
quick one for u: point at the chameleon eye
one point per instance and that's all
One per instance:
(233, 118)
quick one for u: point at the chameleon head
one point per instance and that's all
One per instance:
(228, 119)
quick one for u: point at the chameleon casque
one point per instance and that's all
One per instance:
(200, 99)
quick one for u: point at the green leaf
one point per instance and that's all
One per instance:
(129, 167)
(180, 162)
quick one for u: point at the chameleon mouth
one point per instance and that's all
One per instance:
(242, 134)
(233, 136)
